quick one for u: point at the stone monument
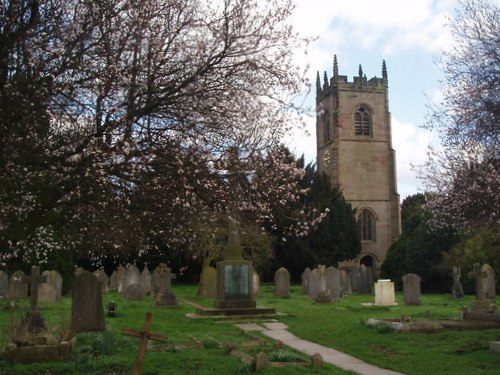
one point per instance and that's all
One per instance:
(234, 274)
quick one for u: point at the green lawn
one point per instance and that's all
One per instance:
(338, 325)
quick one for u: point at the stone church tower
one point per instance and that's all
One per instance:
(353, 133)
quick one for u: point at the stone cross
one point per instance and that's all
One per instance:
(144, 336)
(233, 250)
(34, 280)
(478, 275)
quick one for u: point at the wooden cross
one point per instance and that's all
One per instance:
(144, 336)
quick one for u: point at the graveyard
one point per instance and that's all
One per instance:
(181, 341)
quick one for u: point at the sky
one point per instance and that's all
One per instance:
(410, 36)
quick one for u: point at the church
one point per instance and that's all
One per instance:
(354, 148)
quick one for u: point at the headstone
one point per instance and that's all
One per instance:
(411, 289)
(345, 283)
(282, 283)
(47, 293)
(332, 279)
(4, 284)
(208, 282)
(103, 279)
(87, 311)
(384, 293)
(365, 280)
(314, 283)
(131, 276)
(305, 280)
(488, 281)
(134, 292)
(457, 290)
(354, 274)
(54, 279)
(255, 283)
(116, 281)
(164, 296)
(79, 270)
(18, 289)
(145, 280)
(479, 275)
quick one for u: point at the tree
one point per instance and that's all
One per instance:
(465, 177)
(100, 101)
(333, 239)
(420, 248)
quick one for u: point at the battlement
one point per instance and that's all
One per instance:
(341, 82)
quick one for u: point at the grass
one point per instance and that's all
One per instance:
(338, 325)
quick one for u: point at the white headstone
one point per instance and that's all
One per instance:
(384, 293)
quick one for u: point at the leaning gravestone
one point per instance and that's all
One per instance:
(18, 288)
(145, 280)
(332, 280)
(4, 284)
(305, 280)
(87, 311)
(488, 281)
(131, 276)
(411, 289)
(282, 283)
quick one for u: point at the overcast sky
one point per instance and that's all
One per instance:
(409, 35)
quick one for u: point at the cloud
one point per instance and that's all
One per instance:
(410, 143)
(391, 25)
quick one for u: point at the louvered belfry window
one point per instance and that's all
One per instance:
(363, 121)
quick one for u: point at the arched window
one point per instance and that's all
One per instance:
(366, 226)
(363, 121)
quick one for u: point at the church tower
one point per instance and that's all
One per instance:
(354, 148)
